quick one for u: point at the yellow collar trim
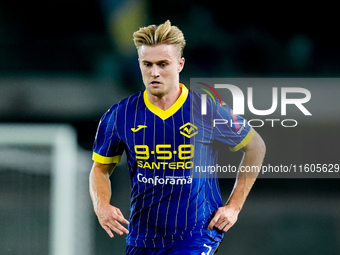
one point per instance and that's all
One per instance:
(172, 110)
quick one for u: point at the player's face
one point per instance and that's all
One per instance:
(160, 66)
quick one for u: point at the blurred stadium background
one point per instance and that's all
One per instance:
(63, 63)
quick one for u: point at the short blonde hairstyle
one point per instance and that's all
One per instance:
(162, 34)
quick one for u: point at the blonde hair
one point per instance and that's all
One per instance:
(162, 34)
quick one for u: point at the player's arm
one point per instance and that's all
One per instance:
(109, 217)
(226, 216)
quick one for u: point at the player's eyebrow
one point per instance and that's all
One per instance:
(157, 62)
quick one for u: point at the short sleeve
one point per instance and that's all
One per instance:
(107, 147)
(231, 129)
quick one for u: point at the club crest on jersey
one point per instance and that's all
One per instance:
(188, 130)
(138, 128)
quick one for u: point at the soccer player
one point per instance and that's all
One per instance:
(174, 208)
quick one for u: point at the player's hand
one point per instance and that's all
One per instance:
(110, 218)
(225, 217)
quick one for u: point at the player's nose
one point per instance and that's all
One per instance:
(154, 71)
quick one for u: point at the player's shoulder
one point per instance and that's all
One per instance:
(194, 94)
(126, 102)
(213, 108)
(116, 110)
(197, 101)
(133, 99)
(196, 97)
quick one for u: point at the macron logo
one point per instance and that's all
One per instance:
(138, 128)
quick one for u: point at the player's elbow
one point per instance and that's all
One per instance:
(261, 147)
(256, 146)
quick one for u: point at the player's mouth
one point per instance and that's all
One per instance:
(155, 83)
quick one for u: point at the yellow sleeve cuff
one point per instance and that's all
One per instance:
(245, 141)
(105, 160)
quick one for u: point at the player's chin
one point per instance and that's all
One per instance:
(158, 92)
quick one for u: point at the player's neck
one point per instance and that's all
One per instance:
(164, 102)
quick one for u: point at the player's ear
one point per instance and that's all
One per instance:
(181, 64)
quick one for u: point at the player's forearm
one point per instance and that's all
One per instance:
(100, 187)
(248, 172)
(241, 191)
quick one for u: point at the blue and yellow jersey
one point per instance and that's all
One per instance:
(168, 201)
